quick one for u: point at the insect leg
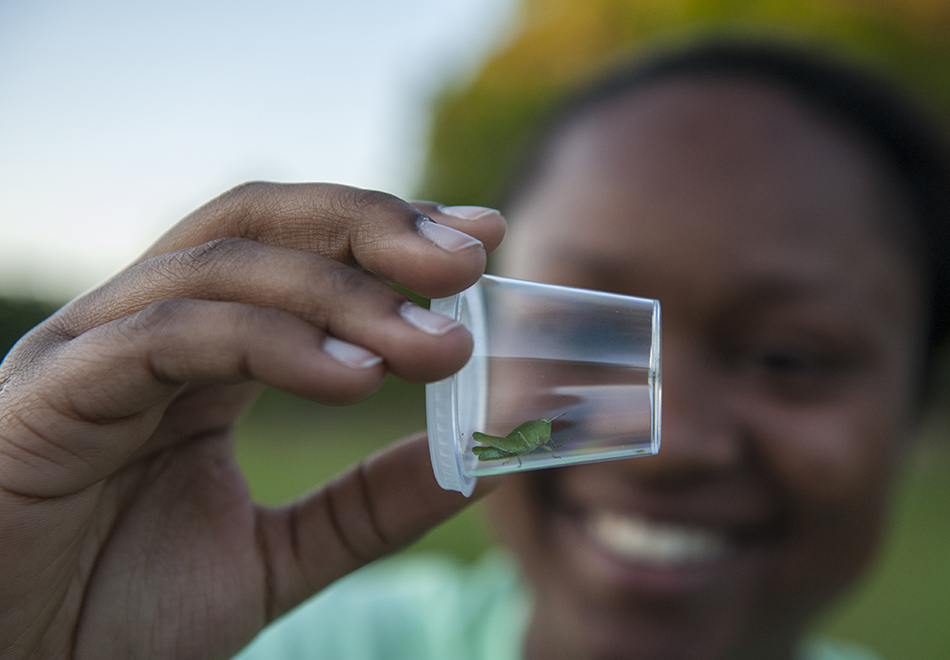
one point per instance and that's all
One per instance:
(550, 446)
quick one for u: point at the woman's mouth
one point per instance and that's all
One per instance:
(632, 553)
(658, 544)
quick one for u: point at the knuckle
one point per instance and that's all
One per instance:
(208, 253)
(372, 215)
(170, 315)
(244, 319)
(202, 258)
(344, 284)
(249, 193)
(246, 201)
(155, 317)
(355, 518)
(356, 203)
(346, 281)
(364, 200)
(340, 285)
(27, 355)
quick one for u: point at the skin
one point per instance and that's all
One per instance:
(793, 325)
(126, 528)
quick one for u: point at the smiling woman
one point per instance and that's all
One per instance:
(787, 247)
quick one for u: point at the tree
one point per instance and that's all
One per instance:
(480, 129)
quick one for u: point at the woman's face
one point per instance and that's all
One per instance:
(792, 338)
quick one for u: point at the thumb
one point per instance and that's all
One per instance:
(375, 508)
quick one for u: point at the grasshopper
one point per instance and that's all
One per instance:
(524, 438)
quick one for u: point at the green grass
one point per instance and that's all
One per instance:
(903, 609)
(287, 447)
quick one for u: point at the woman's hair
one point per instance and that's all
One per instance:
(908, 142)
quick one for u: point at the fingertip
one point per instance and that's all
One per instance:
(350, 355)
(467, 212)
(341, 379)
(429, 322)
(446, 237)
(429, 358)
(485, 224)
(301, 360)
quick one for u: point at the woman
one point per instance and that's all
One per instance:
(793, 222)
(799, 250)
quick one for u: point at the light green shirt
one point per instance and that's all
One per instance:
(426, 608)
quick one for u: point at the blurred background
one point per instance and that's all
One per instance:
(117, 118)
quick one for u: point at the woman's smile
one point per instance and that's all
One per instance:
(627, 542)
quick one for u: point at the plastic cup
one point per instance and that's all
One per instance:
(587, 361)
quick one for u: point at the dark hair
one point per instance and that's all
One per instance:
(909, 143)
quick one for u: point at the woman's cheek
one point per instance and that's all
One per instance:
(831, 456)
(833, 466)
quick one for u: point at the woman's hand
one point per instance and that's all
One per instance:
(126, 529)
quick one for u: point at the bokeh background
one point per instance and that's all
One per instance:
(116, 118)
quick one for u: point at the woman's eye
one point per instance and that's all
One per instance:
(790, 362)
(789, 371)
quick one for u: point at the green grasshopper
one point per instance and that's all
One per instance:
(524, 438)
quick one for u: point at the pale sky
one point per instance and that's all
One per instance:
(118, 117)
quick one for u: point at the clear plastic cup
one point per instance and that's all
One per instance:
(587, 362)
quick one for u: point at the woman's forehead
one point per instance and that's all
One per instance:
(694, 157)
(729, 113)
(721, 128)
(724, 178)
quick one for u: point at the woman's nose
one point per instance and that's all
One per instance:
(699, 434)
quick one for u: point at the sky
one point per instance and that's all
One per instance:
(117, 118)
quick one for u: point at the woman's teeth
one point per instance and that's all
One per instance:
(659, 544)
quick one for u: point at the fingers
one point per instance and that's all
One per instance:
(343, 302)
(485, 224)
(110, 385)
(259, 284)
(372, 510)
(435, 253)
(204, 257)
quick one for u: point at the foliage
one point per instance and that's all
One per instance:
(481, 128)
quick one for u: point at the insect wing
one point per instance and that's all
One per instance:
(511, 444)
(534, 433)
(485, 439)
(490, 453)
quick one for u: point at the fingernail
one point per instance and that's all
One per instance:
(446, 237)
(349, 354)
(467, 212)
(428, 322)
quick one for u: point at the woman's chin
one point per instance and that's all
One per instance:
(637, 588)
